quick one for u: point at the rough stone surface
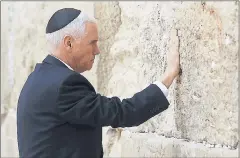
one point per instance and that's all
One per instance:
(109, 20)
(152, 145)
(9, 147)
(204, 99)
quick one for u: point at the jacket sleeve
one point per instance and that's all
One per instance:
(78, 103)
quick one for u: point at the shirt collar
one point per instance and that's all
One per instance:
(63, 62)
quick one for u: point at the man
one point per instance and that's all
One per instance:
(59, 114)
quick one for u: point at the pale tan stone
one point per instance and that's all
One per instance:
(152, 145)
(9, 146)
(203, 102)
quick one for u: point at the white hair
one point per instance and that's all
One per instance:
(75, 28)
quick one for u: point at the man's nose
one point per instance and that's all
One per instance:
(97, 51)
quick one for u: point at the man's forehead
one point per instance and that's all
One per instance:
(92, 31)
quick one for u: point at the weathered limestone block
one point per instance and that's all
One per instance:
(9, 147)
(6, 66)
(109, 20)
(204, 98)
(152, 145)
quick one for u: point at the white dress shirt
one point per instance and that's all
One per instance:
(162, 87)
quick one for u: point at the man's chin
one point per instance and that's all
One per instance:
(90, 67)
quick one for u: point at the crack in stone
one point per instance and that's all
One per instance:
(178, 35)
(205, 143)
(103, 78)
(106, 45)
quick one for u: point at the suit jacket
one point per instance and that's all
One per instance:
(60, 115)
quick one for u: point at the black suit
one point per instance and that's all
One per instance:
(59, 114)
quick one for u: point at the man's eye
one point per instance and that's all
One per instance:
(93, 43)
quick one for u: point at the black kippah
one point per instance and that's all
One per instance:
(61, 18)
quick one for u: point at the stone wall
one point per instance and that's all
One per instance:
(204, 107)
(134, 40)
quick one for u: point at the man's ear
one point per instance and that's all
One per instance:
(68, 40)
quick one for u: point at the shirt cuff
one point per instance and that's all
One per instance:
(162, 87)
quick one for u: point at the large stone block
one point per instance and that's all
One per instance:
(109, 20)
(204, 98)
(152, 145)
(9, 147)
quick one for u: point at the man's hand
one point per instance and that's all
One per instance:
(173, 61)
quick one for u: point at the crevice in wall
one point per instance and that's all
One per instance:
(114, 134)
(110, 23)
(205, 143)
(107, 23)
(3, 117)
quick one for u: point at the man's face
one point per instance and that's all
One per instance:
(83, 50)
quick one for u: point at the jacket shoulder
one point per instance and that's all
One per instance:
(55, 76)
(74, 79)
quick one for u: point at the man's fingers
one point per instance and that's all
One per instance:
(173, 32)
(174, 40)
